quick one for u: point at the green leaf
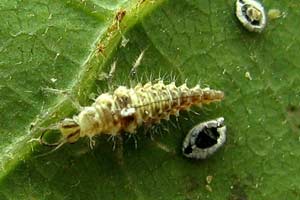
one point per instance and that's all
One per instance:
(56, 44)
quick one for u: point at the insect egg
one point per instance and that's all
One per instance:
(251, 14)
(274, 14)
(204, 139)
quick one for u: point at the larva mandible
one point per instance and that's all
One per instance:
(127, 108)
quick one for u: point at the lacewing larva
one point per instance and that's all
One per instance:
(204, 139)
(125, 109)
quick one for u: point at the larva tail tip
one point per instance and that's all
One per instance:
(221, 95)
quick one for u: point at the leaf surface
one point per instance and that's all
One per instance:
(70, 44)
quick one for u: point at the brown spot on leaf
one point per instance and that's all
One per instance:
(293, 117)
(120, 15)
(101, 49)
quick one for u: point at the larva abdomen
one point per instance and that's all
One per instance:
(128, 108)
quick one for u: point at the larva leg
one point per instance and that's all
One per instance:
(174, 125)
(157, 129)
(116, 140)
(149, 130)
(92, 142)
(66, 93)
(135, 139)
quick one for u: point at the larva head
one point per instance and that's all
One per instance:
(70, 130)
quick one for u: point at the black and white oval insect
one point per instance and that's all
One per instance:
(124, 109)
(251, 14)
(204, 139)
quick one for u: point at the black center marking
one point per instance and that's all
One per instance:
(207, 138)
(188, 150)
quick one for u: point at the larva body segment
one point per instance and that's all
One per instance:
(127, 108)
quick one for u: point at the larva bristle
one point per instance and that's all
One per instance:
(127, 108)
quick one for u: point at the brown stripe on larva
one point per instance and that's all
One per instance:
(72, 135)
(127, 108)
(69, 125)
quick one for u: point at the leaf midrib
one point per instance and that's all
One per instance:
(22, 148)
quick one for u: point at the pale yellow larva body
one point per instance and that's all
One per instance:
(125, 109)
